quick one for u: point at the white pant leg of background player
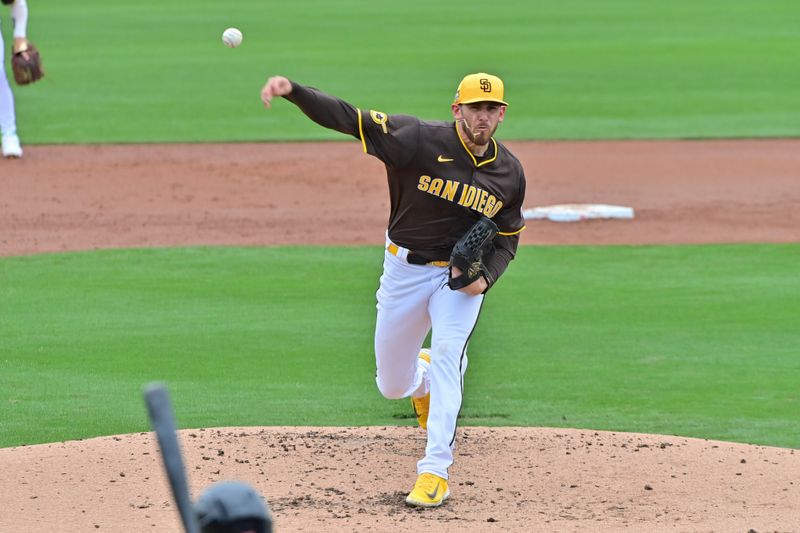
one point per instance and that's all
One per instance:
(453, 316)
(8, 122)
(402, 324)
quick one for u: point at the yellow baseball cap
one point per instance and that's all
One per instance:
(480, 87)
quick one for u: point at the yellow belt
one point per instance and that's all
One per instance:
(393, 249)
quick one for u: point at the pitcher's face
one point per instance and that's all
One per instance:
(479, 120)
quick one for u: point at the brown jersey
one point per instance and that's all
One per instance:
(438, 189)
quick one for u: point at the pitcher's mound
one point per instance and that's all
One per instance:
(356, 479)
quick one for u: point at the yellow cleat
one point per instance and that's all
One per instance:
(422, 405)
(430, 490)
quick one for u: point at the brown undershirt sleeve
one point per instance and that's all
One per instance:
(505, 248)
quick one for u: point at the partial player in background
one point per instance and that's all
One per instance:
(224, 507)
(232, 507)
(455, 193)
(8, 120)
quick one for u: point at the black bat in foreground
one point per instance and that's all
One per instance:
(162, 419)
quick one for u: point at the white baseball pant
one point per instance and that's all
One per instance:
(8, 123)
(413, 300)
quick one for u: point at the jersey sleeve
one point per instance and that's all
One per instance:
(510, 223)
(505, 248)
(393, 139)
(326, 110)
(510, 220)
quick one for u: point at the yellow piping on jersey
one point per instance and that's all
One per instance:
(471, 155)
(512, 232)
(361, 132)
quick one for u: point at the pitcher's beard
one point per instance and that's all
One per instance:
(478, 139)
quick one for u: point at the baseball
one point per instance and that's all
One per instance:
(232, 37)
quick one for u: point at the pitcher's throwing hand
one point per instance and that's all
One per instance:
(275, 86)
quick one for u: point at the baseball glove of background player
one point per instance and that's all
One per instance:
(468, 253)
(26, 64)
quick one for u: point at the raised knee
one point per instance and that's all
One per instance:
(390, 391)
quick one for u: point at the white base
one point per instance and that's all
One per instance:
(576, 212)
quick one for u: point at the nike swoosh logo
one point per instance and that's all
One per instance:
(442, 159)
(432, 495)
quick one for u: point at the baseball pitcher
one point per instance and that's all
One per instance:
(456, 214)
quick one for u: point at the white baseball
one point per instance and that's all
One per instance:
(232, 37)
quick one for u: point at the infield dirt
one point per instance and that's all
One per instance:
(62, 198)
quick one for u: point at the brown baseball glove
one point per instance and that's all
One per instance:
(468, 253)
(26, 63)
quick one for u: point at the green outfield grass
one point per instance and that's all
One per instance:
(697, 340)
(152, 71)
